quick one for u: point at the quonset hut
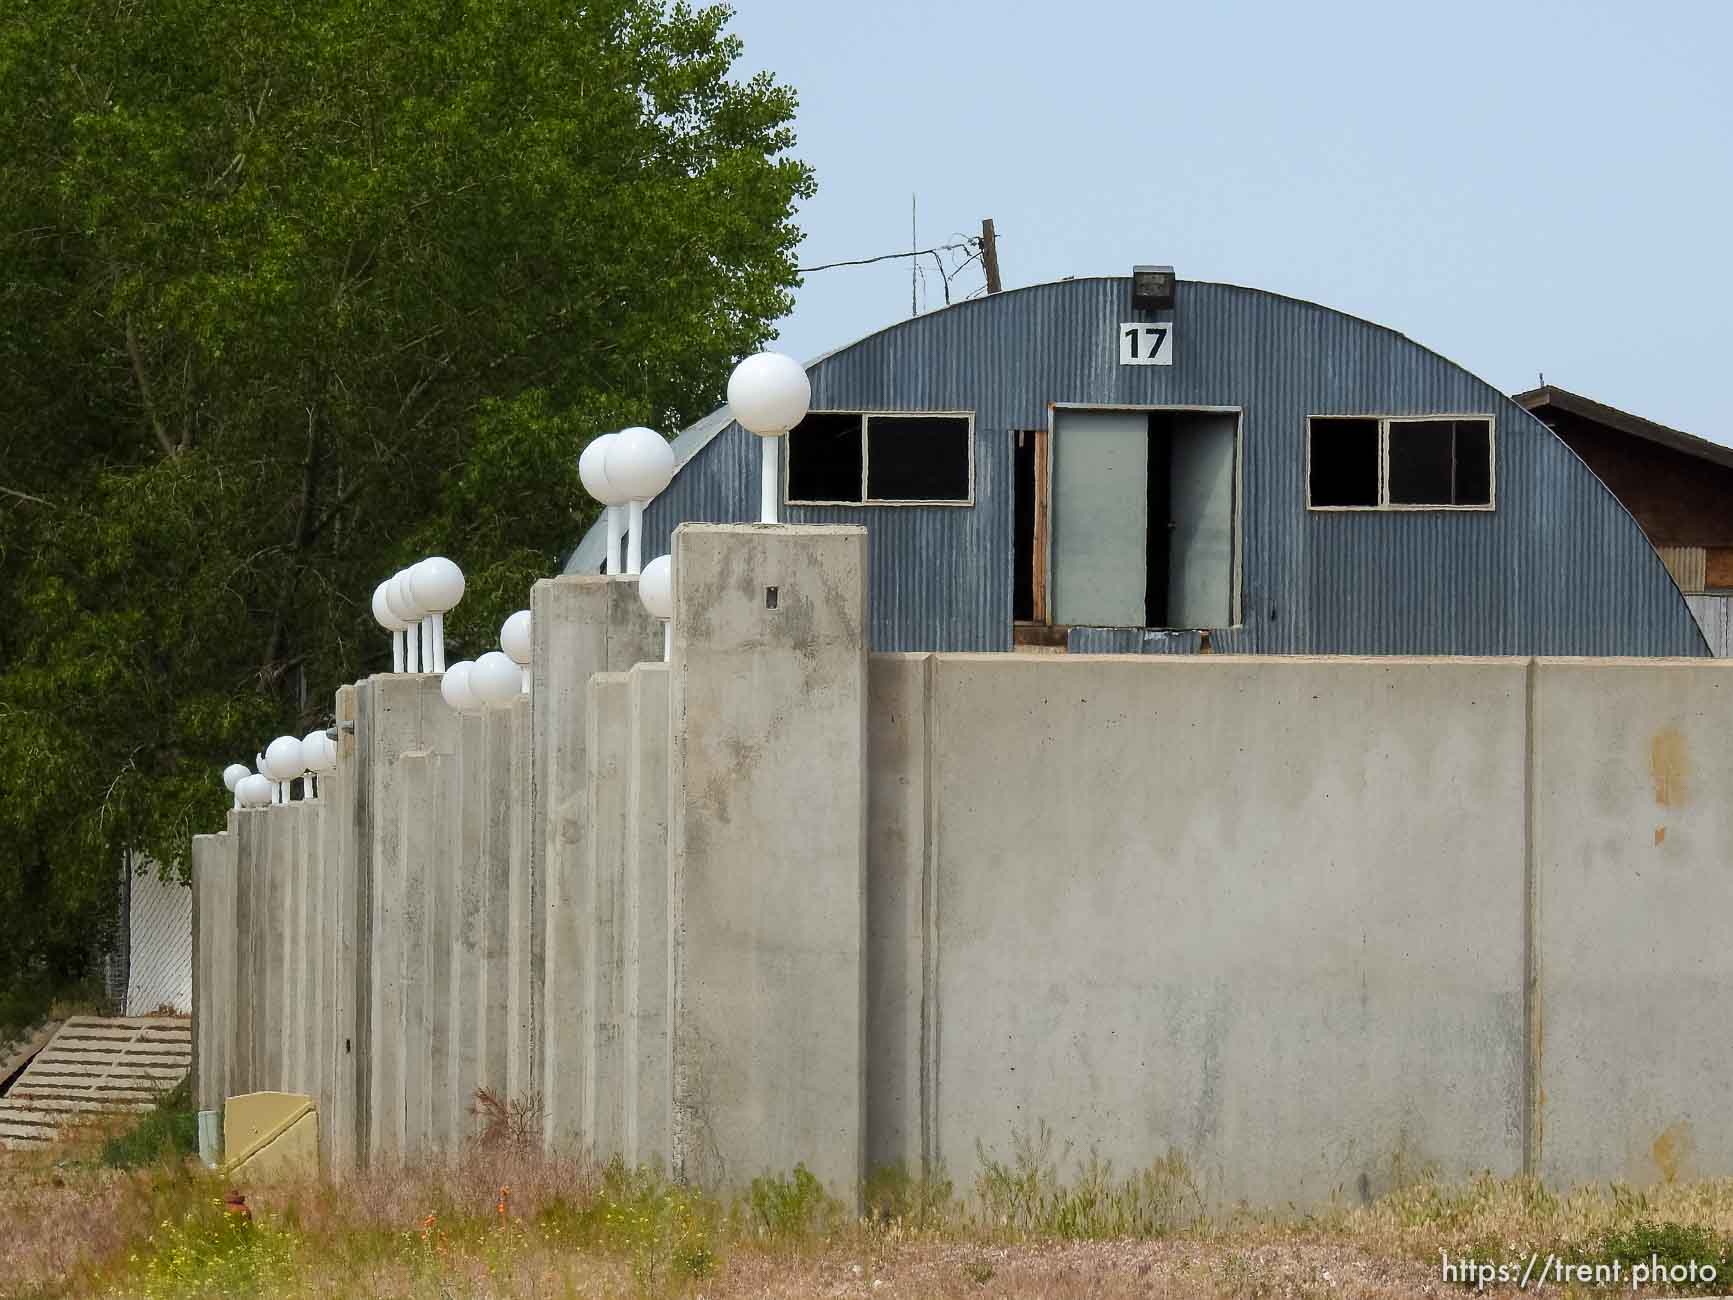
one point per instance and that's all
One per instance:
(1135, 464)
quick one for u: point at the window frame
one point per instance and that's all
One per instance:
(1385, 505)
(866, 414)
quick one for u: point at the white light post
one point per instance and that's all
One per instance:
(454, 688)
(283, 764)
(639, 463)
(592, 470)
(656, 591)
(402, 602)
(383, 615)
(769, 394)
(254, 791)
(495, 680)
(233, 775)
(514, 639)
(319, 753)
(436, 584)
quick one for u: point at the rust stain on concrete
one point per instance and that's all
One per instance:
(1671, 1150)
(1669, 766)
(1660, 834)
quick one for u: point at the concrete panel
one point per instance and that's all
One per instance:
(897, 880)
(507, 1058)
(768, 852)
(1633, 861)
(1214, 905)
(339, 1113)
(446, 1121)
(403, 714)
(579, 626)
(603, 932)
(420, 789)
(210, 928)
(296, 981)
(645, 1051)
(275, 921)
(469, 884)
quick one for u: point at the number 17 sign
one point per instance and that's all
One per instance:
(1146, 345)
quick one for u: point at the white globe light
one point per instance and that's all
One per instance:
(283, 761)
(254, 791)
(639, 463)
(769, 394)
(514, 637)
(234, 774)
(495, 680)
(592, 469)
(317, 752)
(454, 688)
(402, 601)
(656, 587)
(436, 584)
(382, 613)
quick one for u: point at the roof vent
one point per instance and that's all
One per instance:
(1151, 287)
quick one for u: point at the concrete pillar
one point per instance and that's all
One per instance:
(444, 1004)
(420, 789)
(332, 1028)
(506, 1067)
(212, 931)
(469, 900)
(515, 891)
(272, 919)
(602, 931)
(400, 714)
(249, 886)
(645, 1021)
(767, 847)
(296, 974)
(232, 960)
(338, 1109)
(581, 625)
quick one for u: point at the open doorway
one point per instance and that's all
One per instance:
(1127, 518)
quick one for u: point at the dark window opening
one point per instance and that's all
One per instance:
(1158, 533)
(824, 457)
(1473, 463)
(1440, 463)
(1344, 462)
(917, 457)
(1023, 529)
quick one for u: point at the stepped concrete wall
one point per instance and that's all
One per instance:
(1313, 924)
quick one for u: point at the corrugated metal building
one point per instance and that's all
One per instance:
(1239, 470)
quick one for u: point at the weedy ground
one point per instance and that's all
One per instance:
(504, 1221)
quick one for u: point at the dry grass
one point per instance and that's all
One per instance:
(565, 1229)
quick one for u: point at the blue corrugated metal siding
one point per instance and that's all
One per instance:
(1559, 567)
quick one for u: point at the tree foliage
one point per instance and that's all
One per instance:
(293, 292)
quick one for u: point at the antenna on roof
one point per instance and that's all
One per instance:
(914, 265)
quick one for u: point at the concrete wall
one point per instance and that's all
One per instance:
(767, 852)
(1315, 924)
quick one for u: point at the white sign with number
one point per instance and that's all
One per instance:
(1146, 345)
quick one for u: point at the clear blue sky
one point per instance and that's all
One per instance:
(1521, 186)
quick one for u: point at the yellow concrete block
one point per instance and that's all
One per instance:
(271, 1135)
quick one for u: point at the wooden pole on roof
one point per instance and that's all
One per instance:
(990, 254)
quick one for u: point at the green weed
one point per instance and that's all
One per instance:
(893, 1194)
(1697, 1258)
(667, 1231)
(168, 1131)
(792, 1207)
(1026, 1196)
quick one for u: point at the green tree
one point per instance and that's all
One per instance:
(293, 292)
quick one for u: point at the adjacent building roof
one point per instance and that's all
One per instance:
(1549, 398)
